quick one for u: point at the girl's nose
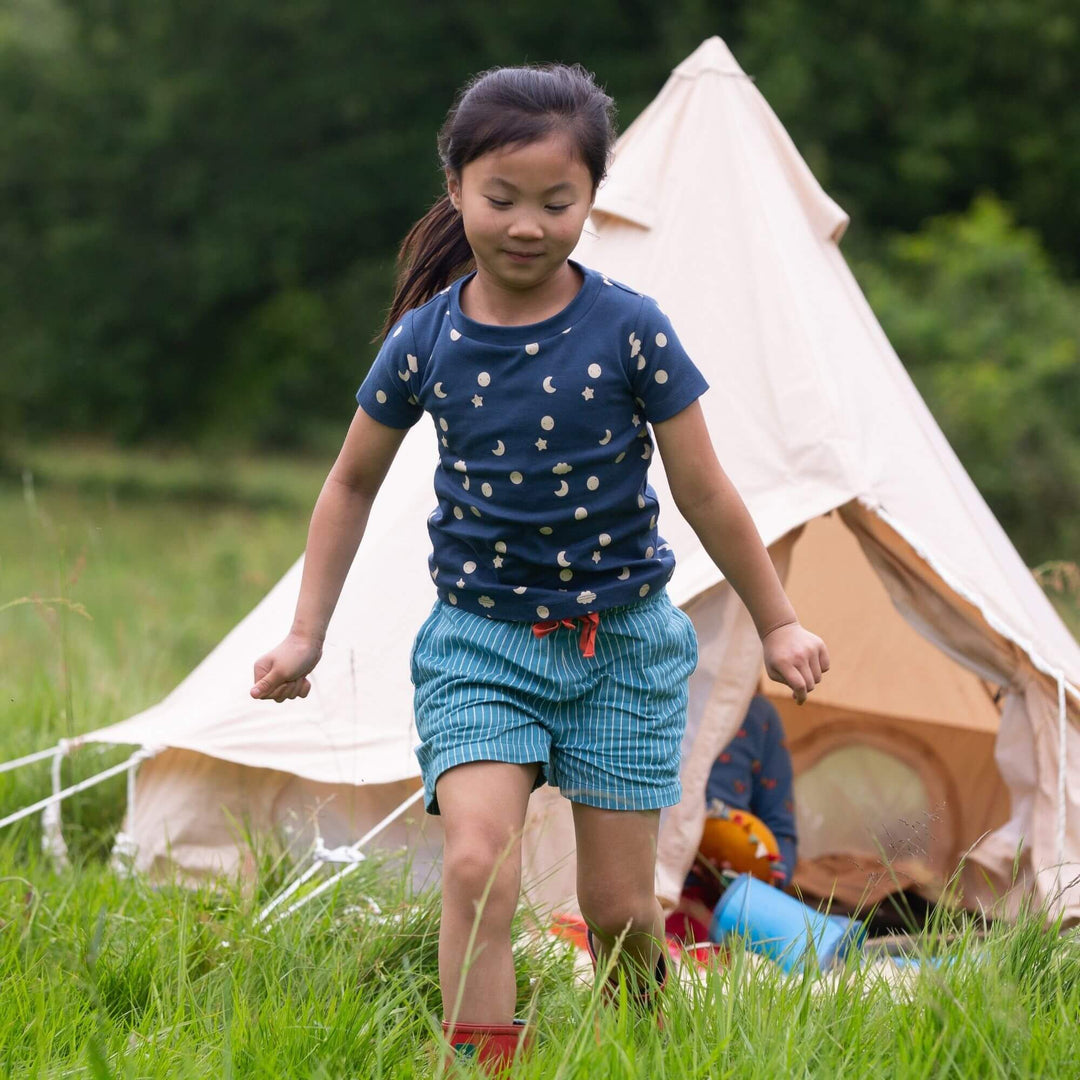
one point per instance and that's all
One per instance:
(526, 226)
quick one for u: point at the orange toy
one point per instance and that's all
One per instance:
(739, 840)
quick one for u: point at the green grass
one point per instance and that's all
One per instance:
(139, 568)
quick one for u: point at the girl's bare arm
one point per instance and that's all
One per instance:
(337, 527)
(711, 505)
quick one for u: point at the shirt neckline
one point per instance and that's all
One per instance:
(558, 323)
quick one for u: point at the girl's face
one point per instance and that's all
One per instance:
(523, 208)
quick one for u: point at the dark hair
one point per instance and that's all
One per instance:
(502, 107)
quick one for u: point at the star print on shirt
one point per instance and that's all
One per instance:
(541, 444)
(477, 400)
(587, 393)
(497, 562)
(636, 420)
(596, 556)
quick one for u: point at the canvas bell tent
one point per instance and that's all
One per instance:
(948, 720)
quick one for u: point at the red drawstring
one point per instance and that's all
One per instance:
(589, 625)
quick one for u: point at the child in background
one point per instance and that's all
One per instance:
(552, 653)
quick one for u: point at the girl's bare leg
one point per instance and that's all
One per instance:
(616, 860)
(483, 808)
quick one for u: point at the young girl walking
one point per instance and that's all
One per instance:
(553, 653)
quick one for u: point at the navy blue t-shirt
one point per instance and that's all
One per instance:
(544, 510)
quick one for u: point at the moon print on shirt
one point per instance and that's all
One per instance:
(562, 489)
(620, 457)
(595, 371)
(411, 360)
(380, 396)
(566, 575)
(455, 335)
(561, 559)
(548, 386)
(458, 513)
(646, 451)
(581, 513)
(500, 546)
(542, 612)
(546, 530)
(465, 483)
(592, 483)
(521, 590)
(403, 376)
(500, 449)
(605, 539)
(643, 591)
(661, 339)
(640, 501)
(547, 422)
(624, 573)
(661, 376)
(516, 477)
(635, 345)
(532, 348)
(397, 331)
(607, 437)
(485, 489)
(484, 379)
(469, 567)
(443, 424)
(438, 391)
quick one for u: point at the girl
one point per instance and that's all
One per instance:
(553, 653)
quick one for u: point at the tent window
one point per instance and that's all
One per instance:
(860, 799)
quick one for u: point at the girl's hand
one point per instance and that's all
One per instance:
(796, 657)
(280, 674)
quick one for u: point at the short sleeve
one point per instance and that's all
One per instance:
(389, 392)
(661, 373)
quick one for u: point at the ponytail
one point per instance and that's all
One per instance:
(434, 254)
(502, 107)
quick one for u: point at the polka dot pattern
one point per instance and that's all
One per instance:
(555, 451)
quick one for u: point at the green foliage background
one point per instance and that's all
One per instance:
(200, 202)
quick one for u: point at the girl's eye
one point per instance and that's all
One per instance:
(500, 203)
(560, 209)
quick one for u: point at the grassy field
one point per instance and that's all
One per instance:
(117, 575)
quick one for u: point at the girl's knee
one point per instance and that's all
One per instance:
(611, 914)
(475, 871)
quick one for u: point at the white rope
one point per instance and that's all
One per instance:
(82, 785)
(52, 826)
(1063, 751)
(340, 855)
(40, 755)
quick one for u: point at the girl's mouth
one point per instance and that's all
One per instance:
(523, 257)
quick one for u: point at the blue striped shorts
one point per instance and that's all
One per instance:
(606, 730)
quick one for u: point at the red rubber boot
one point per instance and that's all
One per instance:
(493, 1046)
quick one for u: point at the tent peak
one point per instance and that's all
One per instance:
(711, 55)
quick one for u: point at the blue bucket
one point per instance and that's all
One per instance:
(779, 926)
